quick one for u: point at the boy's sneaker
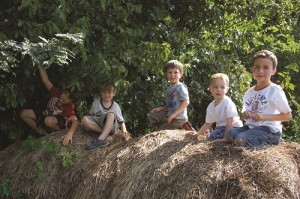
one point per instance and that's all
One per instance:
(95, 142)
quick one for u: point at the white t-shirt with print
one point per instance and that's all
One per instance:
(270, 100)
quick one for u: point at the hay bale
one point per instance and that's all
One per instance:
(163, 164)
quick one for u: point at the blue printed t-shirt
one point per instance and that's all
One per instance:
(174, 95)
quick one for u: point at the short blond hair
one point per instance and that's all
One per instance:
(221, 76)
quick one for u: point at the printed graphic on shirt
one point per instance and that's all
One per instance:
(257, 103)
(52, 108)
(171, 98)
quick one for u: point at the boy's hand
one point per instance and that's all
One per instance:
(246, 115)
(193, 133)
(157, 109)
(256, 116)
(125, 135)
(196, 135)
(200, 137)
(160, 108)
(67, 138)
(170, 118)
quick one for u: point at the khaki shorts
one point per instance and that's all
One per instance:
(159, 121)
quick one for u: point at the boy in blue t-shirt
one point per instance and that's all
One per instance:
(174, 113)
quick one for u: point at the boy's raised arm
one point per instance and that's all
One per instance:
(48, 84)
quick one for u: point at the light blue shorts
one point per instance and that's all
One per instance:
(255, 137)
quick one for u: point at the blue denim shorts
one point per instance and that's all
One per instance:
(218, 133)
(255, 137)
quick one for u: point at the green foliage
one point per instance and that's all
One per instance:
(32, 144)
(292, 129)
(128, 42)
(68, 157)
(51, 146)
(46, 53)
(5, 190)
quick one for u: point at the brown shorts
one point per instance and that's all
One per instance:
(159, 121)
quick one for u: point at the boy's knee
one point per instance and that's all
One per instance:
(50, 121)
(110, 117)
(110, 114)
(24, 113)
(239, 141)
(84, 120)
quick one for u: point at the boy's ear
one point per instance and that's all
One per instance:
(274, 71)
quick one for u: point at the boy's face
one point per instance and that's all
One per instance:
(107, 95)
(173, 75)
(262, 70)
(65, 97)
(218, 89)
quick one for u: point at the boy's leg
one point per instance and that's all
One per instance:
(107, 121)
(218, 133)
(52, 123)
(30, 118)
(235, 131)
(157, 118)
(175, 124)
(108, 126)
(89, 123)
(257, 137)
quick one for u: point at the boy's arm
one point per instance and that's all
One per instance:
(203, 131)
(123, 128)
(69, 135)
(182, 106)
(272, 117)
(228, 127)
(45, 78)
(204, 128)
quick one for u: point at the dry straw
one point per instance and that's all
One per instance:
(164, 164)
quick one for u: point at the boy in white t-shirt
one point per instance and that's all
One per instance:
(265, 106)
(221, 110)
(104, 118)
